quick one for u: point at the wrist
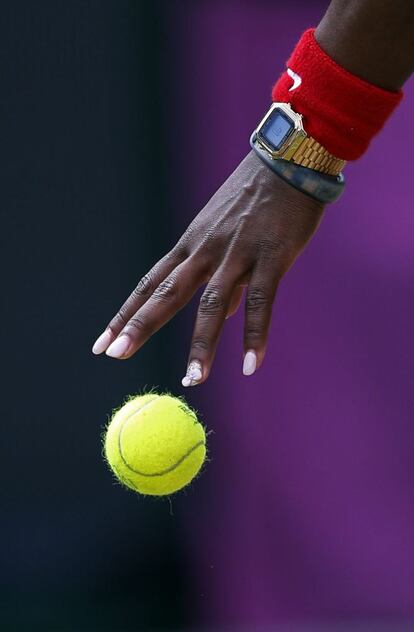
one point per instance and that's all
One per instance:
(277, 186)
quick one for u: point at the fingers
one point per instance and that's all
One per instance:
(258, 312)
(219, 297)
(165, 301)
(138, 297)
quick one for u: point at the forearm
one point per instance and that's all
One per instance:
(373, 39)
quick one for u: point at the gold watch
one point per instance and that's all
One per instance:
(282, 135)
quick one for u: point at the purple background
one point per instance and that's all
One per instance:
(306, 509)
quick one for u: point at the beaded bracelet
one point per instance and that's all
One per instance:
(317, 185)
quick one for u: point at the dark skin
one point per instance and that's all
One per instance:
(255, 226)
(373, 39)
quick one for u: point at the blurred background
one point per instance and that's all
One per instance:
(119, 119)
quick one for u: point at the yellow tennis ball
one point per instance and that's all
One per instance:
(155, 444)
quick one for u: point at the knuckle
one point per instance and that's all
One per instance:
(144, 287)
(137, 325)
(253, 333)
(208, 247)
(190, 231)
(185, 243)
(201, 244)
(178, 252)
(120, 319)
(166, 290)
(200, 343)
(211, 301)
(209, 235)
(257, 299)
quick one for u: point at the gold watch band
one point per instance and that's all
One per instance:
(312, 155)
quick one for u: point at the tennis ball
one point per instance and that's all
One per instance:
(155, 444)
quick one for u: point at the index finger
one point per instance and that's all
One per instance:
(173, 293)
(138, 297)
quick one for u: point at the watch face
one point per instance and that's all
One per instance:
(276, 129)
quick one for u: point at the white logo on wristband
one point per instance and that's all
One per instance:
(296, 79)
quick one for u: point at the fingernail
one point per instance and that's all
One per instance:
(193, 375)
(119, 347)
(101, 343)
(249, 363)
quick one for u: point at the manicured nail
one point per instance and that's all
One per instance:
(119, 347)
(249, 363)
(101, 343)
(193, 375)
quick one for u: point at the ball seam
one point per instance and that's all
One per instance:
(172, 467)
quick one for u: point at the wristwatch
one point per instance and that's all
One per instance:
(282, 135)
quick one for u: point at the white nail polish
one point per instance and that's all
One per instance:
(194, 370)
(193, 375)
(119, 347)
(249, 363)
(101, 343)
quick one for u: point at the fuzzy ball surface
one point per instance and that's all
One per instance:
(155, 444)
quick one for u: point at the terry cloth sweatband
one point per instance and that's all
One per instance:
(340, 110)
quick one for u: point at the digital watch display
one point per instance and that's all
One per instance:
(281, 131)
(276, 130)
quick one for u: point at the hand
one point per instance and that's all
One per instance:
(248, 235)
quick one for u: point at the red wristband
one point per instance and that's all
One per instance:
(340, 110)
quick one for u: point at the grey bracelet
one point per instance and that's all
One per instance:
(318, 185)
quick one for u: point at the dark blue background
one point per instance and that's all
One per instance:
(84, 213)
